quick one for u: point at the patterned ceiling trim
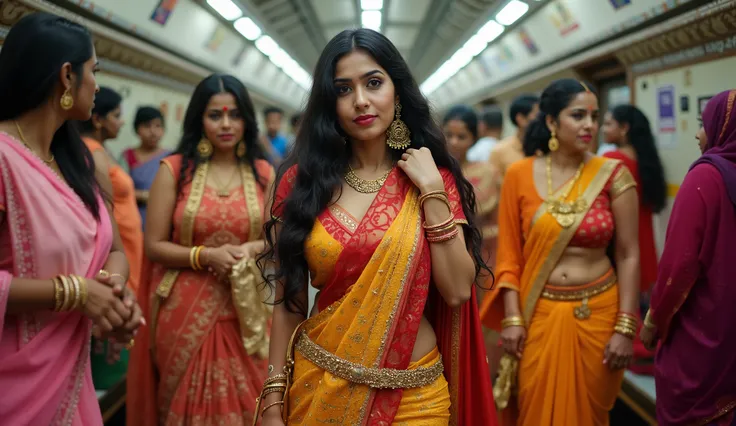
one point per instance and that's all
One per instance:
(713, 25)
(113, 45)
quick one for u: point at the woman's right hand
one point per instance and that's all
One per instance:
(105, 308)
(513, 339)
(220, 260)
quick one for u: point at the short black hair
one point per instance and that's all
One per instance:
(465, 114)
(295, 119)
(106, 100)
(146, 114)
(492, 117)
(523, 104)
(273, 109)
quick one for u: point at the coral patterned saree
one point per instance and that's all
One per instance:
(374, 278)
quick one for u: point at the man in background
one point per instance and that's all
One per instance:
(490, 128)
(510, 150)
(274, 118)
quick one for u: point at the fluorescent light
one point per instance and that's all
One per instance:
(371, 19)
(248, 28)
(490, 31)
(475, 45)
(226, 8)
(281, 59)
(267, 46)
(371, 4)
(511, 13)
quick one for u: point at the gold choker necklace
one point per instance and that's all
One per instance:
(365, 186)
(563, 211)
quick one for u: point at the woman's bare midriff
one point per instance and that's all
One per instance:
(578, 266)
(426, 339)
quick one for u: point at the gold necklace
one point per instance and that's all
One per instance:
(223, 191)
(23, 139)
(365, 186)
(563, 211)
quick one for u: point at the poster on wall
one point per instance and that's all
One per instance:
(618, 4)
(216, 39)
(562, 19)
(162, 12)
(666, 122)
(528, 42)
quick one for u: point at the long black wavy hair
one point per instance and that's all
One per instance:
(654, 186)
(193, 127)
(556, 97)
(322, 157)
(30, 62)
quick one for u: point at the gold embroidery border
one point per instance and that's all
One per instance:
(567, 295)
(622, 181)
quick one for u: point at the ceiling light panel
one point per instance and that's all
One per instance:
(247, 28)
(226, 8)
(371, 4)
(371, 19)
(511, 13)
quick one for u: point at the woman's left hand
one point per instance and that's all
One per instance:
(619, 352)
(126, 333)
(419, 165)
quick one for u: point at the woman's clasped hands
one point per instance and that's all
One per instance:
(112, 307)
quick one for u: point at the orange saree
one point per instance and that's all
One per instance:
(193, 365)
(353, 359)
(560, 378)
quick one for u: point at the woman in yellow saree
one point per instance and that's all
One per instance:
(373, 214)
(567, 318)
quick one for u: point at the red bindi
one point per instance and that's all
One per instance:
(224, 109)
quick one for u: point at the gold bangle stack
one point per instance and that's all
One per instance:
(274, 384)
(513, 321)
(194, 260)
(626, 324)
(648, 321)
(70, 293)
(444, 231)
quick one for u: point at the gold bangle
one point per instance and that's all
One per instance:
(77, 292)
(83, 294)
(513, 321)
(67, 293)
(437, 195)
(648, 321)
(276, 378)
(271, 405)
(58, 294)
(625, 331)
(196, 257)
(191, 258)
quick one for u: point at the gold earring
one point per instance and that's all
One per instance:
(204, 148)
(240, 150)
(553, 143)
(398, 135)
(66, 101)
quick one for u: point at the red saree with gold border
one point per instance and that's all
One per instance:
(191, 366)
(374, 277)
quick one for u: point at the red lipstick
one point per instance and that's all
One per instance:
(364, 120)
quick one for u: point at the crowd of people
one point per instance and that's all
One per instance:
(462, 278)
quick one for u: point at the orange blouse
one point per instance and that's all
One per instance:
(596, 231)
(127, 216)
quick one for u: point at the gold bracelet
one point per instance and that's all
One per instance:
(276, 378)
(625, 331)
(196, 258)
(58, 294)
(67, 293)
(191, 258)
(83, 294)
(437, 195)
(648, 321)
(512, 321)
(271, 405)
(77, 292)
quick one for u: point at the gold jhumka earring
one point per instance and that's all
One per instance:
(398, 135)
(553, 143)
(204, 148)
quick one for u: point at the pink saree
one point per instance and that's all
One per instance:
(46, 231)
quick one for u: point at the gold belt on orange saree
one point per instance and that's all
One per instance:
(377, 378)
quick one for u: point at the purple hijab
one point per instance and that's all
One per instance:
(719, 122)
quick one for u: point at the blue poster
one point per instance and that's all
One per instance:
(617, 4)
(666, 109)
